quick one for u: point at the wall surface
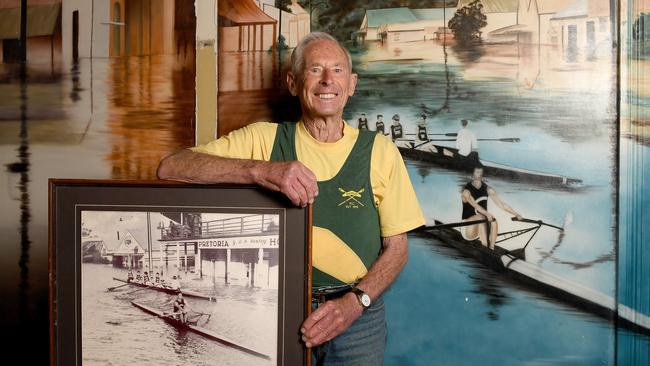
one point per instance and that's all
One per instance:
(206, 66)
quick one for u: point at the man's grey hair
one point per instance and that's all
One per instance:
(298, 58)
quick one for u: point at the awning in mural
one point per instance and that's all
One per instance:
(243, 12)
(41, 21)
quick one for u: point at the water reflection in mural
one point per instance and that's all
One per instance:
(95, 118)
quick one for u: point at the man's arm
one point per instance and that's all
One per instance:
(335, 316)
(504, 206)
(292, 178)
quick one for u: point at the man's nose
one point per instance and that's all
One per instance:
(326, 77)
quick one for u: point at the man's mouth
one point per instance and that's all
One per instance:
(326, 96)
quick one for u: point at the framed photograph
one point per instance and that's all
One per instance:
(161, 273)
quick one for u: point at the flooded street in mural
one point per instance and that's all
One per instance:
(109, 118)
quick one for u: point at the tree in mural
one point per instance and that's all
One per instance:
(467, 23)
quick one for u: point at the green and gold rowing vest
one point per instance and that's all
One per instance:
(344, 213)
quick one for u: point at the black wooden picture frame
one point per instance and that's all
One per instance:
(69, 198)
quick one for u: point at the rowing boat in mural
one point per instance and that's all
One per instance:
(448, 157)
(513, 263)
(198, 330)
(168, 290)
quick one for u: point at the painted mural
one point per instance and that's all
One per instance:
(108, 89)
(534, 85)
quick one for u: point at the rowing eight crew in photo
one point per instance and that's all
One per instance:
(157, 281)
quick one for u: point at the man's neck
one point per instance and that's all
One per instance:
(324, 129)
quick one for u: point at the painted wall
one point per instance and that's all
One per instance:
(206, 70)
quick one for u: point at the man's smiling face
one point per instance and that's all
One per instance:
(326, 81)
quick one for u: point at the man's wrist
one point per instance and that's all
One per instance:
(255, 171)
(352, 297)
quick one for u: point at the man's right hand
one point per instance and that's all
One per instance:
(292, 178)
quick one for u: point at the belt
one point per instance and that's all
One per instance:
(320, 295)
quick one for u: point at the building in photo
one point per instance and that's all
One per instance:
(241, 249)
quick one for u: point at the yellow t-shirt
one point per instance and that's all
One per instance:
(398, 207)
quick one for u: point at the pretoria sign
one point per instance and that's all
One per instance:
(242, 242)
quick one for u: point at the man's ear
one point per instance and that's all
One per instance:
(353, 84)
(292, 83)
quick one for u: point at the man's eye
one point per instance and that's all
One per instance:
(315, 70)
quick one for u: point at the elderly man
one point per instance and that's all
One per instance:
(363, 201)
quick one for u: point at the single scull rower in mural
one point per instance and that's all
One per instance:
(475, 196)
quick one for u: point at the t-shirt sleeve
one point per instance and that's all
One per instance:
(398, 206)
(254, 141)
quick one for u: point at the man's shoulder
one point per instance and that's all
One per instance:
(261, 127)
(384, 143)
(384, 153)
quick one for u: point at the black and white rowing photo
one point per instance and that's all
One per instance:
(161, 273)
(179, 287)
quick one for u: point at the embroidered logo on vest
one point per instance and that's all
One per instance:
(350, 198)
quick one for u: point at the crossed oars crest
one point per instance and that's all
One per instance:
(351, 196)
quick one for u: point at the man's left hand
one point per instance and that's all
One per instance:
(330, 320)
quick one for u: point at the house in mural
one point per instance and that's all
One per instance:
(399, 25)
(43, 31)
(375, 18)
(115, 28)
(582, 26)
(295, 23)
(542, 21)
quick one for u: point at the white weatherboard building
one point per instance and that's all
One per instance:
(399, 25)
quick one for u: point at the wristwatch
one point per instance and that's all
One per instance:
(362, 297)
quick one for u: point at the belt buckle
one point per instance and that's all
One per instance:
(321, 294)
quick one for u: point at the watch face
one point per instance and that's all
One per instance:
(365, 300)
